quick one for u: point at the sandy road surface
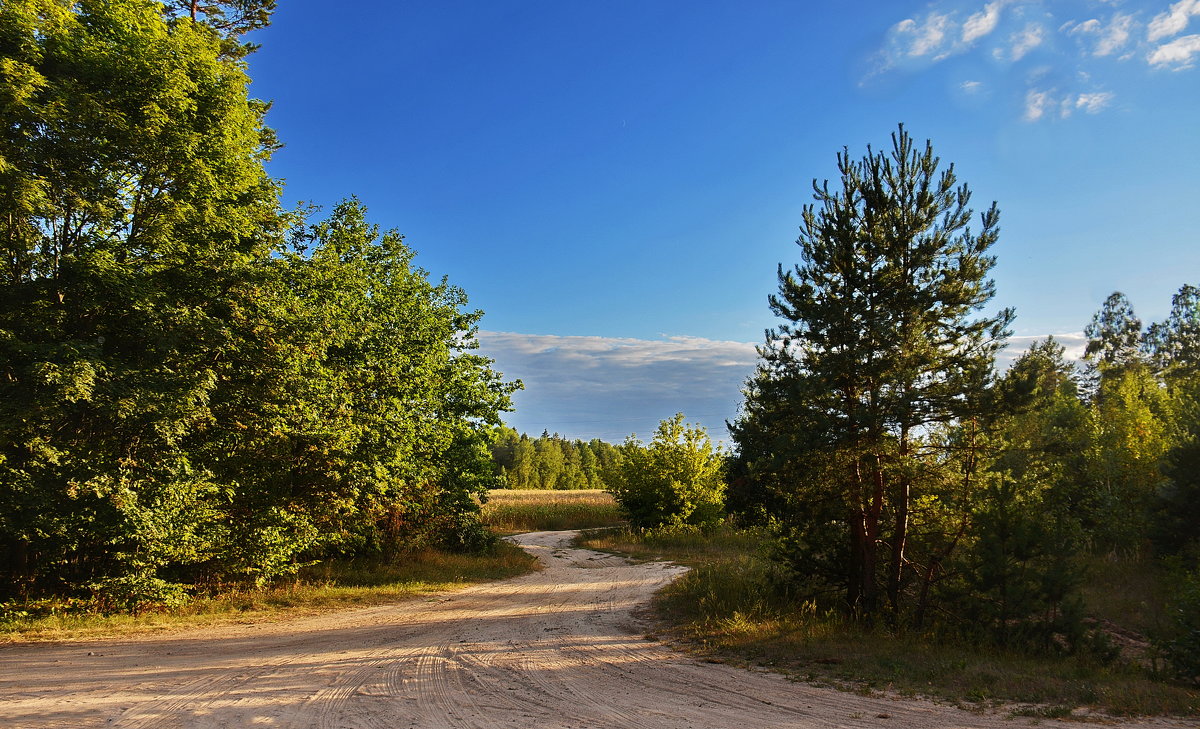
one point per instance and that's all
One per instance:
(555, 649)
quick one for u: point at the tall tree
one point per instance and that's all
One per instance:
(1114, 335)
(879, 340)
(1174, 344)
(125, 241)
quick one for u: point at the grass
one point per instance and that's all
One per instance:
(730, 608)
(686, 545)
(510, 511)
(329, 586)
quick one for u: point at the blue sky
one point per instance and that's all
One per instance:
(614, 183)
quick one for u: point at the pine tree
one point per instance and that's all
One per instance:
(877, 343)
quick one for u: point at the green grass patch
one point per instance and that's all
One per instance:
(733, 607)
(328, 586)
(689, 545)
(510, 511)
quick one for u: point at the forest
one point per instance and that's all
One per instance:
(551, 461)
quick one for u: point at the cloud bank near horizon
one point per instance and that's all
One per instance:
(604, 387)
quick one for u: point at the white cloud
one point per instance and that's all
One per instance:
(982, 22)
(1036, 104)
(925, 38)
(1024, 41)
(585, 387)
(1074, 343)
(1094, 103)
(1177, 53)
(1010, 31)
(1174, 20)
(1110, 38)
(1116, 35)
(1039, 102)
(1087, 26)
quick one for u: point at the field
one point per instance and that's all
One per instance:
(730, 608)
(510, 512)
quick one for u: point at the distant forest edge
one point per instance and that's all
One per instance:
(551, 461)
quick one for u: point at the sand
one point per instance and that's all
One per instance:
(557, 648)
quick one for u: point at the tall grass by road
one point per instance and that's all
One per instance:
(327, 586)
(509, 511)
(733, 606)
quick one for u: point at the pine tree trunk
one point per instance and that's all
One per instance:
(903, 493)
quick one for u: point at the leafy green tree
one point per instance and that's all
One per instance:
(125, 242)
(187, 395)
(878, 344)
(677, 479)
(549, 460)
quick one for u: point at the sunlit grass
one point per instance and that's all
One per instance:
(510, 511)
(733, 606)
(688, 545)
(329, 586)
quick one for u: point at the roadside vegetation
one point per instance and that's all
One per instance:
(928, 523)
(736, 605)
(199, 386)
(330, 585)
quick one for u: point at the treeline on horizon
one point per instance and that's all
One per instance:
(199, 387)
(553, 462)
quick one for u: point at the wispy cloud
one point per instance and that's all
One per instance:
(1042, 102)
(1093, 103)
(982, 23)
(1036, 104)
(585, 387)
(927, 38)
(1108, 39)
(1172, 21)
(1074, 343)
(1025, 40)
(604, 387)
(1078, 39)
(1179, 54)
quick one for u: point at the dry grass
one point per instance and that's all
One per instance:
(510, 511)
(732, 607)
(329, 586)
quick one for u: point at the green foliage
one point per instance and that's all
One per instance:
(677, 479)
(551, 461)
(878, 345)
(133, 205)
(1181, 642)
(187, 394)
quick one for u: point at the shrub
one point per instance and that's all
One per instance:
(677, 479)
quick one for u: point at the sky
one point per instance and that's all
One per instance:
(615, 183)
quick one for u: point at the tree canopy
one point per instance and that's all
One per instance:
(196, 384)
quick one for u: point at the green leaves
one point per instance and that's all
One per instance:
(184, 396)
(679, 478)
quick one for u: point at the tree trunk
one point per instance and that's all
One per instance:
(903, 492)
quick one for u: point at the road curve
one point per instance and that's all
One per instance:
(554, 649)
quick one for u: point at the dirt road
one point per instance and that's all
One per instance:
(556, 649)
